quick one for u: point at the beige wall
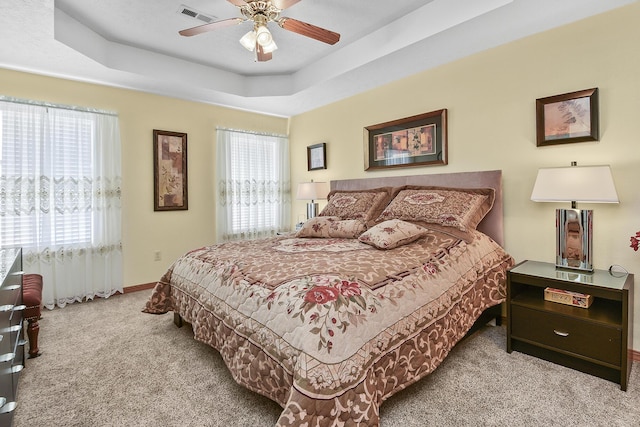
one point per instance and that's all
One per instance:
(490, 99)
(145, 231)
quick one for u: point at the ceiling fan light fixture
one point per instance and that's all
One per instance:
(269, 47)
(263, 36)
(249, 40)
(260, 13)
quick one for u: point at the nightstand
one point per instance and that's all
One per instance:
(595, 340)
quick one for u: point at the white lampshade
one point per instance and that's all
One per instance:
(265, 39)
(312, 190)
(270, 47)
(249, 40)
(590, 184)
(263, 36)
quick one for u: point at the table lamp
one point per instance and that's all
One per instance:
(574, 227)
(312, 191)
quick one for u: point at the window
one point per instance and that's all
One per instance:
(69, 159)
(253, 183)
(60, 197)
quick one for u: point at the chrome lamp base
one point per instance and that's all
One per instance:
(312, 210)
(574, 241)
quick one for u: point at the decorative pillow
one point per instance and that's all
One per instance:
(461, 208)
(332, 226)
(360, 204)
(392, 233)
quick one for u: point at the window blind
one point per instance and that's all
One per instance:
(253, 175)
(64, 194)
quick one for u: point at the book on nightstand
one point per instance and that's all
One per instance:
(567, 297)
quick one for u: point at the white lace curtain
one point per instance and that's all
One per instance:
(60, 179)
(254, 189)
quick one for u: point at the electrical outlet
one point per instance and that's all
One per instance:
(157, 256)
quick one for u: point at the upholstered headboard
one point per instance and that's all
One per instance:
(492, 224)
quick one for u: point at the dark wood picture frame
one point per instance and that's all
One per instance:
(169, 171)
(317, 156)
(419, 140)
(567, 118)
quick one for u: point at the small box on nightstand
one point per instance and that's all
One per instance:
(566, 297)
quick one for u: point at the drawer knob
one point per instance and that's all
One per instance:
(7, 357)
(561, 333)
(8, 407)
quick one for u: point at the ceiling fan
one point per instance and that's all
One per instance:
(262, 12)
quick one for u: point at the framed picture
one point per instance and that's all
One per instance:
(317, 156)
(571, 117)
(169, 171)
(413, 141)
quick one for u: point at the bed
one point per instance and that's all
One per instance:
(366, 299)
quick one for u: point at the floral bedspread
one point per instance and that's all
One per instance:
(330, 328)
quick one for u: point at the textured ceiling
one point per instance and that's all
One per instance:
(135, 44)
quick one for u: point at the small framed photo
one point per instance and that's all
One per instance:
(169, 171)
(567, 118)
(413, 141)
(317, 156)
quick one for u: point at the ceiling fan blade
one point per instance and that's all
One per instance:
(283, 4)
(210, 27)
(238, 3)
(309, 30)
(261, 55)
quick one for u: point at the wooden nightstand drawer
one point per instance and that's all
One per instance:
(577, 336)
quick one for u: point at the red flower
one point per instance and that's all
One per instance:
(349, 289)
(635, 240)
(449, 220)
(430, 268)
(321, 295)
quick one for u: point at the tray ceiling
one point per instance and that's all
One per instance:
(136, 45)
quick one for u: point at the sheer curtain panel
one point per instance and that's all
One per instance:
(254, 189)
(60, 178)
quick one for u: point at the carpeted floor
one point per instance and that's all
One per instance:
(105, 363)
